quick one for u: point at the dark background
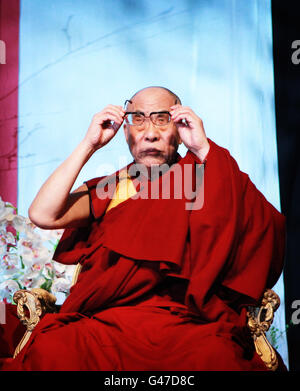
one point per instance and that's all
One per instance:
(286, 29)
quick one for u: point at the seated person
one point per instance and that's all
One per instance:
(165, 280)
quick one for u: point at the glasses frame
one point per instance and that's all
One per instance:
(148, 116)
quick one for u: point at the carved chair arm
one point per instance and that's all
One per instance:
(36, 303)
(259, 322)
(31, 306)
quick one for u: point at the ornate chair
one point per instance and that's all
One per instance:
(33, 304)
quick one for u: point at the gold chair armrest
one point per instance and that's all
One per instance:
(31, 305)
(259, 322)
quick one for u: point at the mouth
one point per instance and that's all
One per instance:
(151, 151)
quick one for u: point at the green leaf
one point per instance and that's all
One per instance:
(11, 206)
(20, 285)
(47, 285)
(22, 263)
(51, 274)
(56, 244)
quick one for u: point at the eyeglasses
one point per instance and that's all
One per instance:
(158, 118)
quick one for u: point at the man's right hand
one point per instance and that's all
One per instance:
(104, 126)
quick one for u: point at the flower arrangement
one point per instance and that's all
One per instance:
(26, 257)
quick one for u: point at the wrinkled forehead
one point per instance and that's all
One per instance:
(148, 103)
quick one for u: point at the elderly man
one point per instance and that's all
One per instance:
(163, 286)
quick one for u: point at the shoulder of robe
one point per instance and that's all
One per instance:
(92, 183)
(219, 161)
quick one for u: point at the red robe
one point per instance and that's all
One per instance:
(163, 287)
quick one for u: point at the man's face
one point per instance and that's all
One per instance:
(150, 144)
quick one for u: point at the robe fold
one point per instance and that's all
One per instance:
(163, 286)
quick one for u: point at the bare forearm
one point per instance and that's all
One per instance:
(54, 206)
(51, 200)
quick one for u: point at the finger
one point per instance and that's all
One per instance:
(116, 107)
(112, 111)
(176, 108)
(182, 110)
(108, 117)
(189, 116)
(183, 116)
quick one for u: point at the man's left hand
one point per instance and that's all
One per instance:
(190, 129)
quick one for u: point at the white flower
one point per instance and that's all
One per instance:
(5, 209)
(26, 259)
(16, 220)
(10, 263)
(48, 270)
(7, 240)
(10, 238)
(69, 272)
(2, 250)
(40, 281)
(32, 279)
(60, 285)
(26, 282)
(33, 253)
(7, 289)
(50, 235)
(59, 269)
(3, 241)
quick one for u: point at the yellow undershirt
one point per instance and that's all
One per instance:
(124, 190)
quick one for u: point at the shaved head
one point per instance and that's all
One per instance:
(171, 93)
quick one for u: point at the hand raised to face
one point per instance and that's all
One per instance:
(190, 129)
(104, 126)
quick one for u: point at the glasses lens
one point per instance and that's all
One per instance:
(135, 119)
(160, 118)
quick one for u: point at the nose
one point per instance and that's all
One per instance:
(151, 132)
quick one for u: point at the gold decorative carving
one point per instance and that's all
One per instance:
(259, 322)
(31, 305)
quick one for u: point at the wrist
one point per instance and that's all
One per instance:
(202, 152)
(86, 148)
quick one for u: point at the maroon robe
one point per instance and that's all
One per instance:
(163, 287)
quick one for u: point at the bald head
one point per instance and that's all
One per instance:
(155, 90)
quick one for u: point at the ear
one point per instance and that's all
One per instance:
(126, 132)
